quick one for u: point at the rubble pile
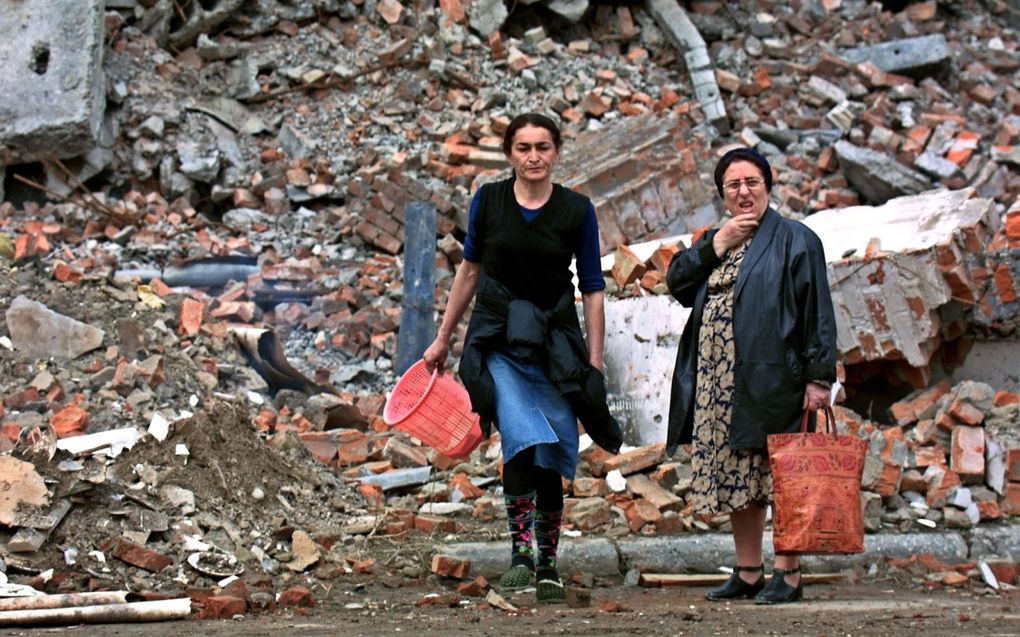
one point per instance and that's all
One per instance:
(201, 286)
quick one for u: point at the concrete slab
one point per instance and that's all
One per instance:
(904, 261)
(642, 336)
(877, 176)
(706, 552)
(914, 57)
(53, 87)
(597, 556)
(682, 34)
(642, 173)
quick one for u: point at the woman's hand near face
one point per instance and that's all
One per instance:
(733, 233)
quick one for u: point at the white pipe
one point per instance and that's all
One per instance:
(160, 610)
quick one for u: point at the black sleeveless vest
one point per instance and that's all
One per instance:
(530, 258)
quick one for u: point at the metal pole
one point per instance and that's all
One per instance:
(417, 323)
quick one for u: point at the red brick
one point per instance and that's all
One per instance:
(888, 482)
(589, 487)
(968, 453)
(918, 407)
(1005, 569)
(1004, 285)
(297, 596)
(65, 273)
(448, 566)
(1002, 398)
(827, 160)
(434, 524)
(1013, 224)
(190, 317)
(140, 556)
(322, 445)
(636, 460)
(238, 589)
(640, 513)
(989, 511)
(462, 482)
(478, 587)
(403, 455)
(1010, 501)
(21, 398)
(929, 456)
(1013, 464)
(662, 257)
(966, 413)
(913, 480)
(69, 421)
(373, 495)
(627, 267)
(363, 567)
(222, 607)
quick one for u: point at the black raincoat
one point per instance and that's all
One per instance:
(783, 327)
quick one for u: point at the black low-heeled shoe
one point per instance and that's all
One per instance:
(778, 591)
(736, 588)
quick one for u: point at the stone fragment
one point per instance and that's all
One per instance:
(589, 513)
(39, 332)
(572, 10)
(486, 16)
(304, 550)
(22, 486)
(403, 455)
(878, 177)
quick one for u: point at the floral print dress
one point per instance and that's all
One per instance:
(725, 480)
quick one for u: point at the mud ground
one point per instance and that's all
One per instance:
(881, 608)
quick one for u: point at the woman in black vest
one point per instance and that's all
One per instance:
(758, 349)
(526, 364)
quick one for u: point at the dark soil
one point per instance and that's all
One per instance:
(885, 608)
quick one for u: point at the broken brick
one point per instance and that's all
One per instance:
(448, 566)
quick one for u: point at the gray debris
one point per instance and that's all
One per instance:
(486, 16)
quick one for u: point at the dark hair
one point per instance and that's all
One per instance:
(533, 119)
(746, 154)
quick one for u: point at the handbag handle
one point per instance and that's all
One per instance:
(830, 420)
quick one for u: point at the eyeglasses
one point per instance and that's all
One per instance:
(752, 183)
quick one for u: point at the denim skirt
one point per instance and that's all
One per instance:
(532, 413)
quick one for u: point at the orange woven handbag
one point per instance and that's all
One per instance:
(816, 481)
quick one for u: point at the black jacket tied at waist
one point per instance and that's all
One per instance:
(552, 339)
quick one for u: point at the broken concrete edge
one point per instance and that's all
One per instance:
(706, 553)
(685, 37)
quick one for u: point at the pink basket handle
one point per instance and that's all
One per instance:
(830, 420)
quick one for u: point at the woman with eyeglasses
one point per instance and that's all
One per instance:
(758, 349)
